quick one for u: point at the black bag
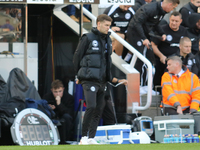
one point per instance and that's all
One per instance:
(10, 108)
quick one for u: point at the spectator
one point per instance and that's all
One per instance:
(7, 27)
(188, 59)
(92, 62)
(181, 89)
(63, 105)
(121, 15)
(145, 20)
(164, 49)
(197, 58)
(71, 11)
(194, 31)
(188, 9)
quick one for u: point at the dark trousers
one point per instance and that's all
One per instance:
(172, 111)
(94, 95)
(135, 40)
(65, 130)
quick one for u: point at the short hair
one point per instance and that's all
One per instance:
(103, 17)
(176, 13)
(56, 84)
(175, 58)
(184, 39)
(173, 1)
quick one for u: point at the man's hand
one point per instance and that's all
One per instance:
(146, 43)
(124, 81)
(115, 29)
(163, 59)
(58, 100)
(179, 110)
(52, 106)
(164, 37)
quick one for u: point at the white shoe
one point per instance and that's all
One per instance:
(92, 141)
(84, 140)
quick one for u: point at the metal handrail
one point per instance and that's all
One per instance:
(133, 60)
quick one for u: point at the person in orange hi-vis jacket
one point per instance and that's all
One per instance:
(180, 88)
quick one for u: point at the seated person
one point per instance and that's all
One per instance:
(7, 26)
(63, 104)
(197, 58)
(180, 88)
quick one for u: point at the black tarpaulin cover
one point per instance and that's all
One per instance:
(20, 85)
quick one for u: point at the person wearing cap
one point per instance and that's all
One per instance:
(180, 88)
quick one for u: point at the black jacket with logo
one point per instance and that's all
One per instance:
(186, 11)
(92, 60)
(120, 18)
(147, 18)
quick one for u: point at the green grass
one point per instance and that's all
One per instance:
(183, 146)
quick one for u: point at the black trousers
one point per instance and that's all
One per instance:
(172, 111)
(135, 40)
(94, 95)
(65, 130)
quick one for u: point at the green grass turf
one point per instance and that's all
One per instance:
(183, 146)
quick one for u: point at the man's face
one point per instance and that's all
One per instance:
(174, 22)
(185, 48)
(172, 66)
(198, 25)
(57, 92)
(124, 7)
(196, 3)
(103, 26)
(169, 7)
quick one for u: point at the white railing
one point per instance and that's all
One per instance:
(133, 60)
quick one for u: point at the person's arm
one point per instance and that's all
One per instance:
(185, 15)
(79, 53)
(158, 53)
(168, 91)
(195, 102)
(116, 80)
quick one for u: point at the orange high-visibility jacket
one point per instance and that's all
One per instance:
(184, 91)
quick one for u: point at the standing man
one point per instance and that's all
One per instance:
(63, 105)
(188, 9)
(164, 49)
(145, 20)
(180, 89)
(92, 62)
(121, 16)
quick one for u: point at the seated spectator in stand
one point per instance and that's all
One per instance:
(164, 49)
(188, 59)
(188, 9)
(121, 15)
(194, 31)
(197, 58)
(63, 105)
(7, 27)
(71, 11)
(180, 89)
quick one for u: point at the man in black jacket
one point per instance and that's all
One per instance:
(187, 57)
(188, 9)
(145, 20)
(92, 62)
(63, 105)
(194, 31)
(164, 49)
